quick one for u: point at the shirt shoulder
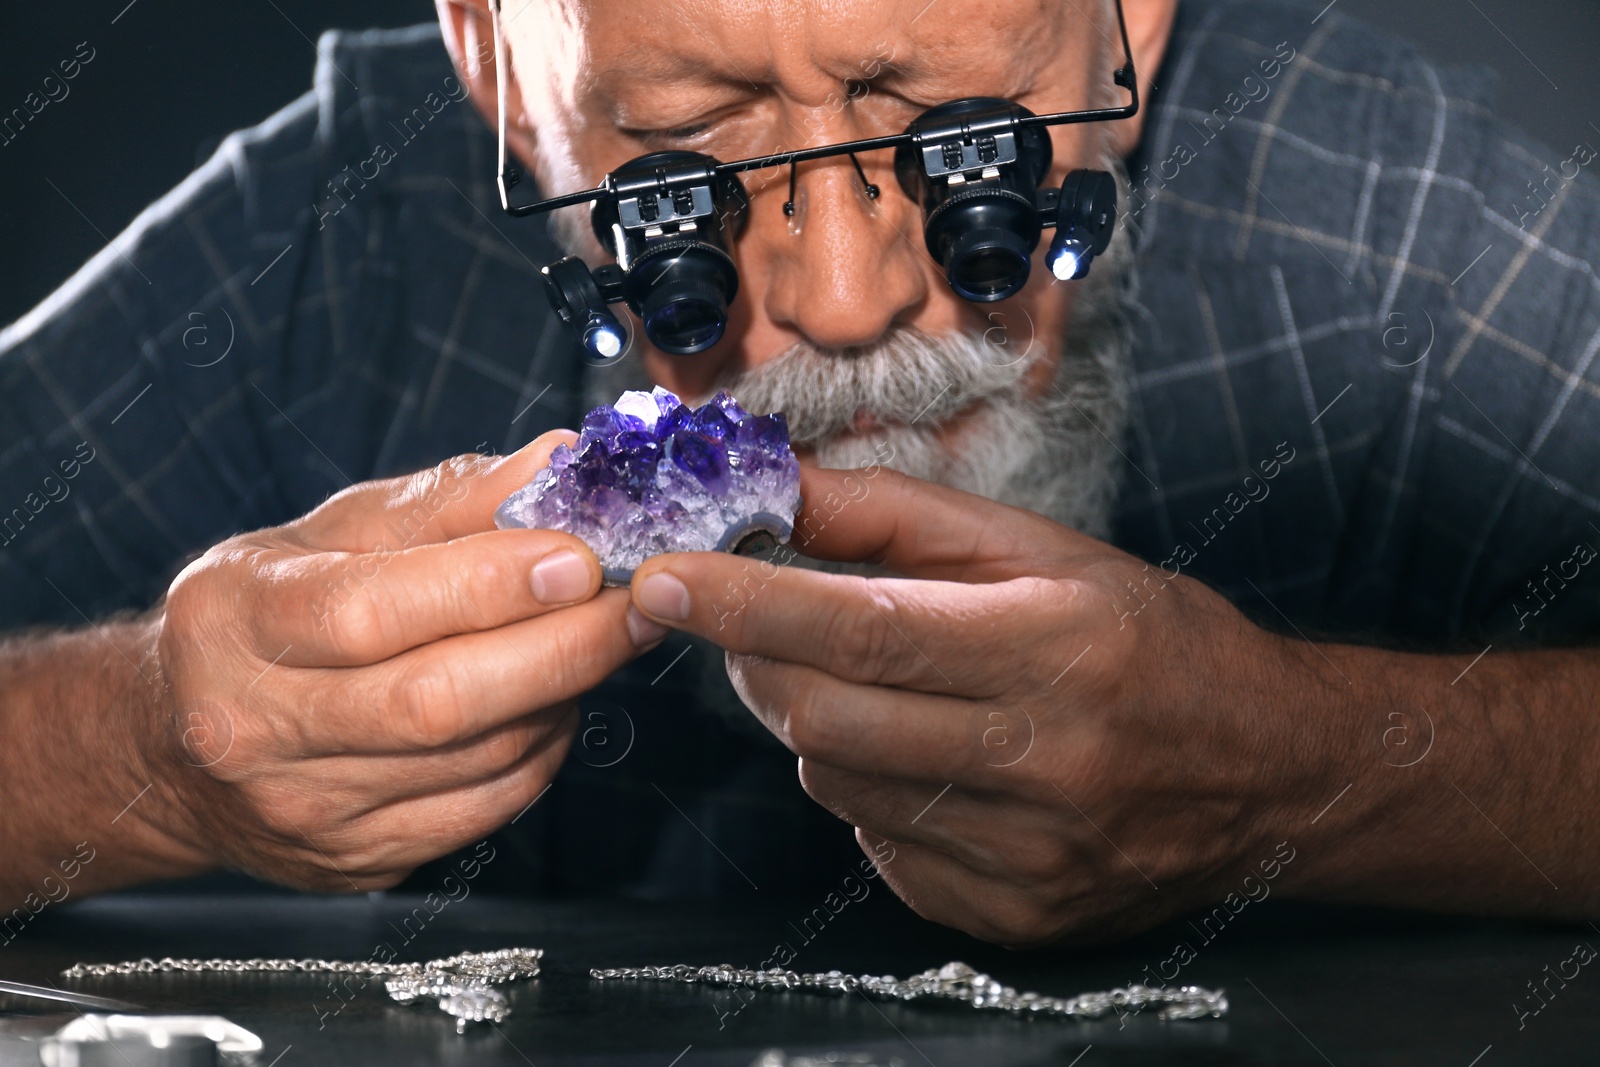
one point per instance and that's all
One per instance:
(1332, 262)
(1295, 127)
(324, 300)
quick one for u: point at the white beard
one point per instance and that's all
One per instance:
(1053, 454)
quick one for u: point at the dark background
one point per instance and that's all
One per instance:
(171, 77)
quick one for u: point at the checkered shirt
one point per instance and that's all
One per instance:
(1364, 366)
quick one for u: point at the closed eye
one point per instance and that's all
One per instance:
(677, 133)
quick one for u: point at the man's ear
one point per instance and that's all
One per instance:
(469, 38)
(1149, 28)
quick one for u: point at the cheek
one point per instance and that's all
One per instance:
(1050, 308)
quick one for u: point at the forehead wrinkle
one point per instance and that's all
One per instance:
(1048, 47)
(670, 39)
(788, 50)
(656, 60)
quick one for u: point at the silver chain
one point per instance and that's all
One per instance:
(463, 985)
(953, 981)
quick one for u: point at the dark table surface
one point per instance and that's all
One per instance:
(1307, 985)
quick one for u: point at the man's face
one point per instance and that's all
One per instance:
(610, 80)
(842, 319)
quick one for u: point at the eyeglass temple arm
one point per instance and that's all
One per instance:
(506, 175)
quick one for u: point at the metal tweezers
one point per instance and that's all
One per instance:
(39, 992)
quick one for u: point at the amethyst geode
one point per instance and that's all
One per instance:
(651, 475)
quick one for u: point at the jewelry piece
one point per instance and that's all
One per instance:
(464, 984)
(150, 1039)
(953, 981)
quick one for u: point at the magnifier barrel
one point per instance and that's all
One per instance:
(976, 172)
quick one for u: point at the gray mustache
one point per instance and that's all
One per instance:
(907, 376)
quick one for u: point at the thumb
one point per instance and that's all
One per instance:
(923, 530)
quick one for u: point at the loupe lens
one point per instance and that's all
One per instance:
(984, 237)
(988, 264)
(682, 324)
(683, 290)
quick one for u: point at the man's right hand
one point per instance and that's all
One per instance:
(379, 682)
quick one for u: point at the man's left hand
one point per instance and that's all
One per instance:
(1059, 740)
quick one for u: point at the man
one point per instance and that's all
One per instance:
(1353, 400)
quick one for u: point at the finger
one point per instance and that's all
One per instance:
(903, 736)
(334, 609)
(455, 689)
(924, 530)
(451, 499)
(941, 889)
(933, 636)
(991, 834)
(411, 832)
(361, 784)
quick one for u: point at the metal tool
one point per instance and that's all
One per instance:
(82, 1000)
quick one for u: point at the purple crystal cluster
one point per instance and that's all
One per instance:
(651, 475)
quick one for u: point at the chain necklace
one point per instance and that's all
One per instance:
(463, 985)
(953, 981)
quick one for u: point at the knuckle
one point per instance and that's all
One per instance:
(414, 501)
(1039, 863)
(354, 628)
(863, 631)
(194, 596)
(1017, 921)
(427, 706)
(820, 783)
(842, 793)
(217, 614)
(1072, 595)
(294, 818)
(506, 748)
(368, 883)
(447, 479)
(572, 659)
(566, 656)
(477, 581)
(358, 857)
(1060, 598)
(809, 726)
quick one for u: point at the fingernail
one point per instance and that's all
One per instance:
(664, 596)
(559, 577)
(643, 630)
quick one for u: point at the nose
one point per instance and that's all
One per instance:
(845, 268)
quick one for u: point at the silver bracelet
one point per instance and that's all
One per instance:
(953, 981)
(463, 985)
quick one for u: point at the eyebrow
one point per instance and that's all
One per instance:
(704, 85)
